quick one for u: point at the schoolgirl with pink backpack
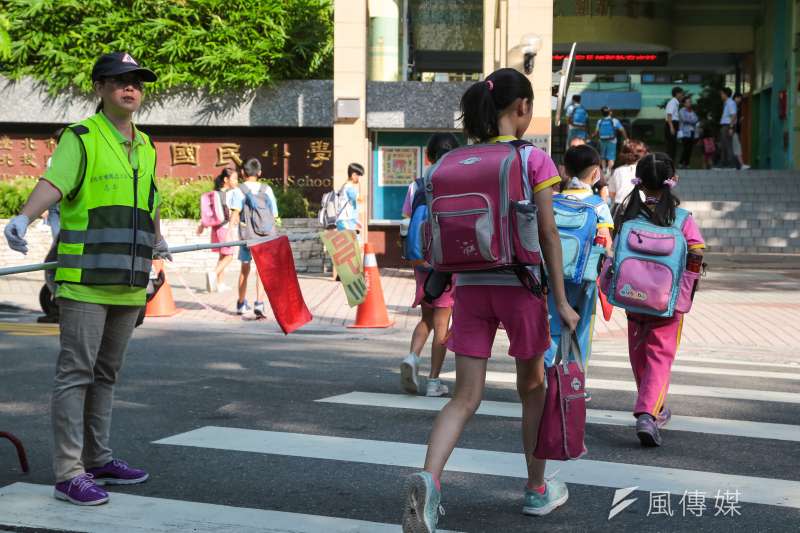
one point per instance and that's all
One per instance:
(656, 268)
(215, 215)
(490, 219)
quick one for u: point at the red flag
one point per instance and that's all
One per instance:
(275, 266)
(607, 307)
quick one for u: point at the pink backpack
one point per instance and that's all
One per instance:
(563, 423)
(213, 211)
(481, 214)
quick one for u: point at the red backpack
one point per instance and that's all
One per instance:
(213, 211)
(481, 213)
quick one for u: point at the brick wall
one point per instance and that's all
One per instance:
(308, 255)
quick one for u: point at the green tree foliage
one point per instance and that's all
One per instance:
(210, 45)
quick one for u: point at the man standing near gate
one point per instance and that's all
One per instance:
(103, 174)
(672, 122)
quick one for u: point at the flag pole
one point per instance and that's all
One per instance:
(173, 250)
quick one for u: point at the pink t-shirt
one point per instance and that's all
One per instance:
(540, 169)
(692, 233)
(412, 190)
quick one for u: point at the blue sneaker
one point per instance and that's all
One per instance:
(242, 307)
(555, 495)
(421, 509)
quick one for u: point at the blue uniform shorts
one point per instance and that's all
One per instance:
(608, 150)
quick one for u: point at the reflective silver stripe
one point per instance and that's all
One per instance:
(502, 279)
(110, 261)
(107, 235)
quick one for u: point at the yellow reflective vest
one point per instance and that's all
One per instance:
(107, 221)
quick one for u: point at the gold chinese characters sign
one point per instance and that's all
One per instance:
(24, 155)
(301, 163)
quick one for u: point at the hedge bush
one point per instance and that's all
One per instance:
(217, 46)
(178, 200)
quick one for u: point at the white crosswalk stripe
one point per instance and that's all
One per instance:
(587, 472)
(685, 390)
(792, 365)
(695, 424)
(706, 370)
(33, 506)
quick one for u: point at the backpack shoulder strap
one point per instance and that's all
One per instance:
(680, 217)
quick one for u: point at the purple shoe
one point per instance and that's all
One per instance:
(647, 431)
(663, 417)
(80, 490)
(118, 472)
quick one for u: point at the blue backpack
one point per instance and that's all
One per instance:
(606, 129)
(649, 263)
(577, 227)
(580, 117)
(413, 249)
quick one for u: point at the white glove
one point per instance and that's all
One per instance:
(161, 250)
(15, 233)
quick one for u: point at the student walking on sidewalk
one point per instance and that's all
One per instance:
(103, 173)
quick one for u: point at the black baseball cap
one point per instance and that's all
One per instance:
(118, 63)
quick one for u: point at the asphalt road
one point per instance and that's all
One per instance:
(179, 378)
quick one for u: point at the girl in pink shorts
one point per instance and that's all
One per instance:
(436, 314)
(499, 109)
(227, 180)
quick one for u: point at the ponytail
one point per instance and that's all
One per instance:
(99, 107)
(654, 173)
(485, 100)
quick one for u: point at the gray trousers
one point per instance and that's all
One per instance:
(94, 338)
(726, 157)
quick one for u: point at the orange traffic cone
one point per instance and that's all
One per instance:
(372, 312)
(162, 303)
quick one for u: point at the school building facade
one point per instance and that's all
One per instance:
(634, 52)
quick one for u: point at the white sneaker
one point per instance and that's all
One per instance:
(211, 281)
(745, 167)
(436, 388)
(409, 370)
(223, 288)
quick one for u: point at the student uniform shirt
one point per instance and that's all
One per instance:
(728, 111)
(235, 197)
(349, 218)
(672, 109)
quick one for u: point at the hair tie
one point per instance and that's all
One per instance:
(490, 83)
(651, 200)
(636, 181)
(670, 183)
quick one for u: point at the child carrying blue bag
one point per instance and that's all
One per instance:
(581, 217)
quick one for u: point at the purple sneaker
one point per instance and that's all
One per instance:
(80, 490)
(663, 417)
(647, 431)
(118, 472)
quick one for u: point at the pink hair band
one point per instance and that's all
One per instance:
(490, 83)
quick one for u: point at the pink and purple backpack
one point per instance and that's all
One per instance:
(213, 211)
(481, 213)
(648, 274)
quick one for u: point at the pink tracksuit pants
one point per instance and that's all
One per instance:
(652, 345)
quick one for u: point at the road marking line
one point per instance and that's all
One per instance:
(681, 390)
(707, 370)
(710, 360)
(767, 491)
(694, 424)
(33, 506)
